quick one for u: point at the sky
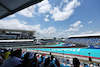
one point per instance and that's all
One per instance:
(57, 18)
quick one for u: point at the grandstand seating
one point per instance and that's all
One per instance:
(93, 41)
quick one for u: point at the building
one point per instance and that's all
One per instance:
(11, 37)
(6, 34)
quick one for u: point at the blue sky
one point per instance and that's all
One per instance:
(57, 18)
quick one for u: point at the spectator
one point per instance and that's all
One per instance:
(67, 61)
(52, 64)
(46, 63)
(71, 61)
(86, 65)
(1, 57)
(91, 65)
(76, 62)
(27, 60)
(7, 53)
(98, 65)
(41, 59)
(35, 64)
(22, 56)
(57, 63)
(13, 60)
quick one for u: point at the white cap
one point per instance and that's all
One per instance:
(37, 55)
(2, 50)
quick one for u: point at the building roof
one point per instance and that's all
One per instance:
(85, 35)
(23, 40)
(8, 7)
(16, 30)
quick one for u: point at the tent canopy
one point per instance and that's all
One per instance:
(8, 7)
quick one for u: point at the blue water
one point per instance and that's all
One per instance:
(76, 51)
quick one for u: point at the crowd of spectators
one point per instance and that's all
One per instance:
(18, 58)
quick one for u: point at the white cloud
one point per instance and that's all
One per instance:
(16, 24)
(87, 32)
(64, 34)
(58, 13)
(98, 32)
(24, 22)
(13, 15)
(91, 32)
(66, 12)
(90, 22)
(49, 30)
(75, 27)
(46, 18)
(28, 12)
(44, 6)
(76, 24)
(22, 25)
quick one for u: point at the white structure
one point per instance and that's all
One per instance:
(85, 35)
(16, 34)
(93, 39)
(10, 37)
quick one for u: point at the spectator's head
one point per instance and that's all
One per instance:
(52, 57)
(67, 59)
(35, 54)
(28, 59)
(76, 62)
(1, 51)
(28, 55)
(16, 53)
(47, 61)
